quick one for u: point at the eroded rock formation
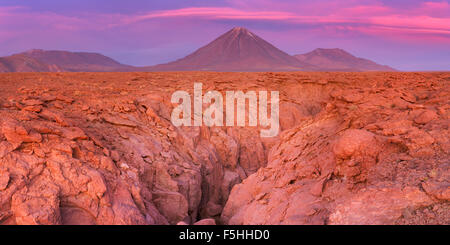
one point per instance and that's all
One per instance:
(355, 148)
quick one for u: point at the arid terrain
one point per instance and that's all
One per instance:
(99, 148)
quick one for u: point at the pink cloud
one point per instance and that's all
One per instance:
(367, 10)
(331, 18)
(216, 13)
(436, 6)
(365, 15)
(22, 17)
(418, 23)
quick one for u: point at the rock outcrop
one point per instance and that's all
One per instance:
(377, 154)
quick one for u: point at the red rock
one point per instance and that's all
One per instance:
(355, 141)
(74, 133)
(5, 148)
(213, 209)
(97, 186)
(5, 215)
(408, 97)
(439, 190)
(63, 147)
(48, 97)
(322, 172)
(32, 108)
(230, 179)
(45, 128)
(31, 102)
(426, 117)
(419, 139)
(399, 104)
(54, 116)
(397, 127)
(172, 205)
(76, 216)
(15, 133)
(4, 179)
(37, 205)
(349, 152)
(205, 222)
(124, 208)
(376, 206)
(119, 121)
(115, 156)
(352, 97)
(65, 99)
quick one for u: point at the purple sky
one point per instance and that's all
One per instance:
(405, 34)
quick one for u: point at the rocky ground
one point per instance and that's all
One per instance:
(99, 148)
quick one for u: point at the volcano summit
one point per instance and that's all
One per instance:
(237, 50)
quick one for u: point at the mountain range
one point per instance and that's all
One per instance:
(236, 50)
(38, 60)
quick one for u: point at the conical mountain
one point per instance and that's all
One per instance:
(237, 50)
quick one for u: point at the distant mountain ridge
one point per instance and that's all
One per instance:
(23, 63)
(38, 60)
(339, 60)
(236, 50)
(75, 61)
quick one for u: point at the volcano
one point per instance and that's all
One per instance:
(339, 60)
(236, 50)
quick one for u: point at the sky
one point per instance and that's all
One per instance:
(409, 35)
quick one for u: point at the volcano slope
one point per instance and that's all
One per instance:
(99, 148)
